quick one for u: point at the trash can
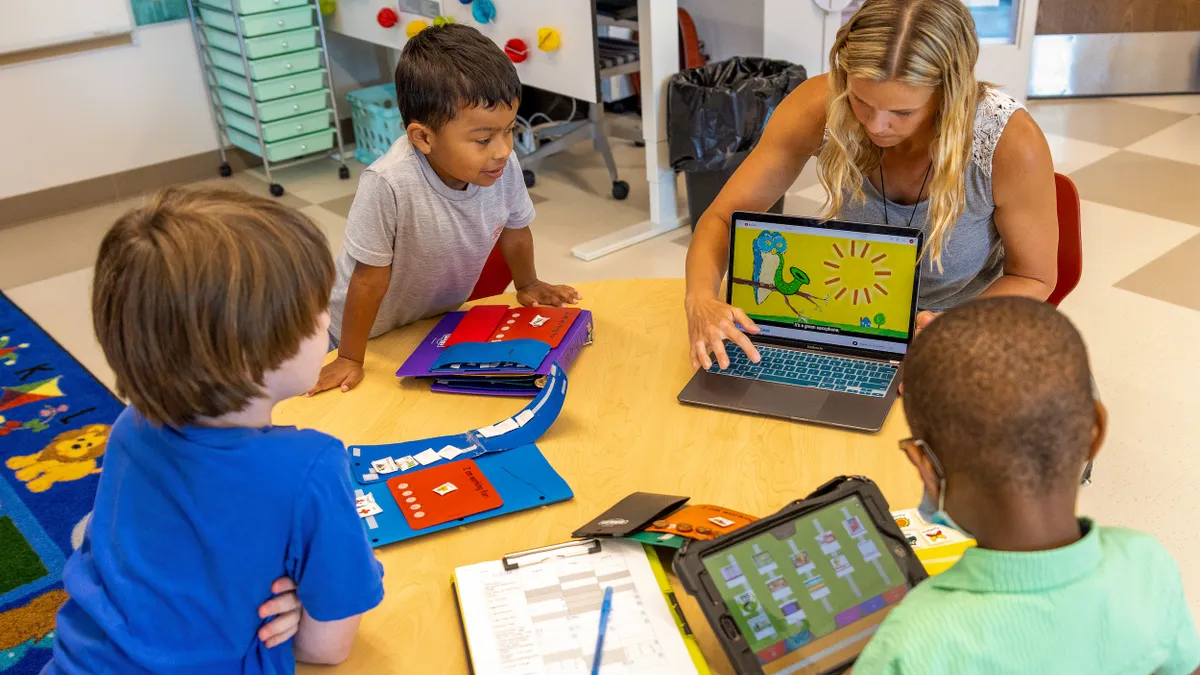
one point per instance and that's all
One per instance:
(715, 116)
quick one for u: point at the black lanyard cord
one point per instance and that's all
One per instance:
(883, 188)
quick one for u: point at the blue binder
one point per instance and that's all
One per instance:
(504, 451)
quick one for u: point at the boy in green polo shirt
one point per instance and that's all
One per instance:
(998, 396)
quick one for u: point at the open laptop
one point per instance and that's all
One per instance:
(836, 303)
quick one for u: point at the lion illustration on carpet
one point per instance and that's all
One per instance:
(70, 456)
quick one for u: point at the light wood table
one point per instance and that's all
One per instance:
(621, 431)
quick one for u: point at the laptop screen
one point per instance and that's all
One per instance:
(825, 285)
(807, 595)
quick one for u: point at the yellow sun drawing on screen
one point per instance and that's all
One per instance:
(857, 272)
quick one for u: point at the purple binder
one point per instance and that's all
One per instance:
(497, 382)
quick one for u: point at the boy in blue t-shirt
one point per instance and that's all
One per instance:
(212, 306)
(999, 398)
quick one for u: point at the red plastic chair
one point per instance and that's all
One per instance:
(1070, 239)
(495, 277)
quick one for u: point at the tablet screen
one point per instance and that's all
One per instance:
(808, 594)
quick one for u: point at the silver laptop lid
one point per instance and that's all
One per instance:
(848, 286)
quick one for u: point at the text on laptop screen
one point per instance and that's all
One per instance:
(853, 289)
(808, 595)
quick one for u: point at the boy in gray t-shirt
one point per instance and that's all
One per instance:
(428, 213)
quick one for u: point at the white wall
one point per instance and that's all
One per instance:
(96, 113)
(728, 27)
(90, 114)
(356, 64)
(791, 30)
(795, 31)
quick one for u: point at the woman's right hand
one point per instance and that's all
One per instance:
(710, 323)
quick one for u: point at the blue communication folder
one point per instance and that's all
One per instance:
(504, 451)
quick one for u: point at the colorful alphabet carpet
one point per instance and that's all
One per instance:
(54, 421)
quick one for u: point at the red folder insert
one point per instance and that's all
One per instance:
(496, 323)
(478, 324)
(443, 492)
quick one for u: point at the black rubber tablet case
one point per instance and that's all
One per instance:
(698, 584)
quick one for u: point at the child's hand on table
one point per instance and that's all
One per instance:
(285, 607)
(542, 293)
(340, 372)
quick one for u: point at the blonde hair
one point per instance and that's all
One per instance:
(928, 43)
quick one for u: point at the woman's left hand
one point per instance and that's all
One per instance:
(924, 318)
(286, 609)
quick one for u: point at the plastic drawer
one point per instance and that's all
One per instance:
(262, 47)
(284, 150)
(265, 69)
(282, 129)
(254, 6)
(260, 24)
(269, 90)
(278, 109)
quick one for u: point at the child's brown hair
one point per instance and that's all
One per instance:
(447, 68)
(201, 292)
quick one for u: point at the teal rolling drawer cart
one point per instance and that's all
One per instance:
(266, 65)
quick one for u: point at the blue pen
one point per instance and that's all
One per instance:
(605, 609)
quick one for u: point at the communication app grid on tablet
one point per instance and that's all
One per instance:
(808, 595)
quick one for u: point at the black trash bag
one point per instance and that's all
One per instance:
(716, 113)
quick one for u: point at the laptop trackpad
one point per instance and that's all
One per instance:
(783, 401)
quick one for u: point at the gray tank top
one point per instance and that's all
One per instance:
(972, 255)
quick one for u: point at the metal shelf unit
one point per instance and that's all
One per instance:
(270, 87)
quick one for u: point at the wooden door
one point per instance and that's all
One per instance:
(1075, 17)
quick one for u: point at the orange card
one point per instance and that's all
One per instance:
(701, 521)
(443, 492)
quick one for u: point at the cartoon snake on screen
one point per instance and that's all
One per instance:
(770, 275)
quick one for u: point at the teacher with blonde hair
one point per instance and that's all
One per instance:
(903, 134)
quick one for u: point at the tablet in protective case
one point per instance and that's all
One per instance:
(804, 589)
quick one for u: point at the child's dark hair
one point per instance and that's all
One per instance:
(447, 68)
(1001, 391)
(201, 292)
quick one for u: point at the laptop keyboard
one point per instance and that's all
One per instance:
(808, 369)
